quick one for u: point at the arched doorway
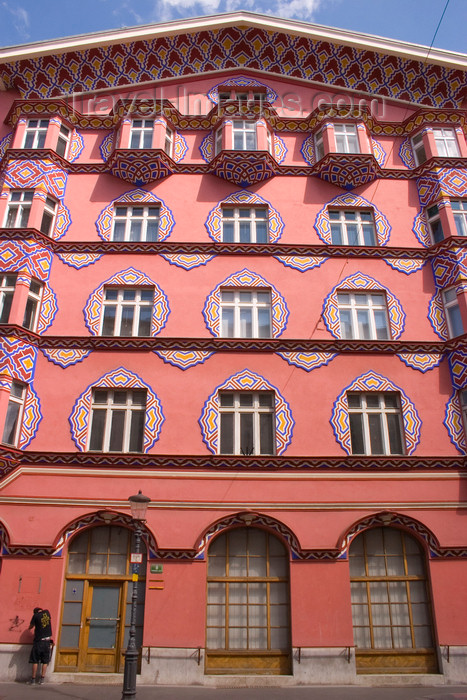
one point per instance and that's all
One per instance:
(248, 608)
(96, 605)
(391, 608)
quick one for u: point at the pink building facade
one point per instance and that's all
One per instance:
(233, 276)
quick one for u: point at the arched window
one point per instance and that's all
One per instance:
(248, 610)
(391, 610)
(97, 600)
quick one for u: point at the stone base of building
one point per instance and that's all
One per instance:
(181, 667)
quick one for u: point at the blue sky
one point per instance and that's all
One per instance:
(23, 21)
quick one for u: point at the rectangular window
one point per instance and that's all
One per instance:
(453, 314)
(141, 133)
(246, 423)
(241, 225)
(346, 138)
(245, 313)
(459, 210)
(418, 148)
(19, 208)
(127, 311)
(48, 216)
(375, 423)
(31, 313)
(319, 145)
(363, 316)
(117, 420)
(244, 135)
(434, 223)
(63, 140)
(36, 131)
(218, 141)
(354, 227)
(136, 223)
(169, 142)
(7, 290)
(14, 414)
(446, 142)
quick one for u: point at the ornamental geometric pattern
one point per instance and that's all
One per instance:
(27, 256)
(436, 316)
(454, 423)
(361, 282)
(374, 382)
(308, 150)
(323, 224)
(214, 221)
(247, 279)
(76, 147)
(240, 81)
(420, 229)
(347, 171)
(118, 378)
(450, 267)
(421, 361)
(131, 277)
(62, 222)
(447, 182)
(280, 53)
(79, 260)
(17, 359)
(139, 166)
(183, 359)
(32, 416)
(280, 149)
(246, 381)
(48, 309)
(458, 367)
(180, 147)
(107, 146)
(307, 360)
(36, 174)
(5, 143)
(302, 263)
(244, 168)
(139, 196)
(406, 266)
(207, 148)
(65, 358)
(378, 152)
(406, 153)
(186, 261)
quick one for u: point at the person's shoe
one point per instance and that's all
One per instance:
(31, 681)
(41, 680)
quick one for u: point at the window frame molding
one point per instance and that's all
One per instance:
(135, 197)
(244, 198)
(354, 308)
(121, 303)
(322, 223)
(110, 407)
(382, 411)
(255, 306)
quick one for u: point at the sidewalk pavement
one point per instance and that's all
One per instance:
(72, 691)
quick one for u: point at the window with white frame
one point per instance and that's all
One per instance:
(7, 291)
(375, 423)
(33, 303)
(19, 208)
(127, 311)
(246, 422)
(64, 137)
(363, 316)
(141, 132)
(48, 216)
(459, 211)
(446, 142)
(136, 223)
(352, 227)
(319, 145)
(418, 149)
(35, 133)
(244, 135)
(227, 94)
(434, 223)
(245, 225)
(14, 415)
(453, 314)
(346, 138)
(117, 420)
(245, 313)
(218, 140)
(169, 142)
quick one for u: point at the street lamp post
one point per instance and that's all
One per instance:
(138, 505)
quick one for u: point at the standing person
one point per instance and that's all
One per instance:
(42, 643)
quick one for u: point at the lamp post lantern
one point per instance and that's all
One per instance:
(138, 505)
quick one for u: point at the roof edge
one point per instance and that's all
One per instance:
(242, 18)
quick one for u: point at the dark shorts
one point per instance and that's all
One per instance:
(40, 652)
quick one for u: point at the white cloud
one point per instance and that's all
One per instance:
(20, 19)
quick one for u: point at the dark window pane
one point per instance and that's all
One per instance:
(246, 434)
(395, 439)
(376, 435)
(226, 430)
(11, 422)
(97, 430)
(126, 325)
(266, 433)
(5, 304)
(356, 433)
(137, 430)
(144, 327)
(108, 323)
(116, 431)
